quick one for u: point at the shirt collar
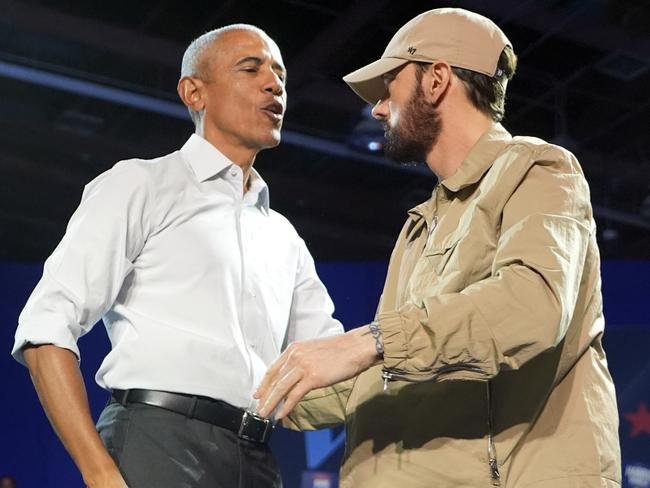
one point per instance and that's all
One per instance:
(259, 187)
(479, 159)
(207, 161)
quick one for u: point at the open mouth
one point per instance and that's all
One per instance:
(274, 111)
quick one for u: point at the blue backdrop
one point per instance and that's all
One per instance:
(30, 450)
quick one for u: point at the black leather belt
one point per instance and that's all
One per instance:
(243, 423)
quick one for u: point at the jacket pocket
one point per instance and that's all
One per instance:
(439, 254)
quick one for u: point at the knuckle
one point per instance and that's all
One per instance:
(314, 377)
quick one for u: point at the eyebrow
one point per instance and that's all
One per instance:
(258, 62)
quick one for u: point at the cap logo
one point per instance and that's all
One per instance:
(411, 50)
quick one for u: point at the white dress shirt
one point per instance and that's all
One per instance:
(199, 285)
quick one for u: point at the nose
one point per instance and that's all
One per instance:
(274, 84)
(380, 110)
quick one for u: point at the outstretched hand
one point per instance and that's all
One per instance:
(317, 363)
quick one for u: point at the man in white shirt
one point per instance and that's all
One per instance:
(200, 286)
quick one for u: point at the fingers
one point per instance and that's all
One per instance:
(278, 390)
(271, 373)
(274, 372)
(290, 377)
(291, 400)
(291, 388)
(269, 377)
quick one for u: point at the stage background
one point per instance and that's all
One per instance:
(87, 83)
(30, 450)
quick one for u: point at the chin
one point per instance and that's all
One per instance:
(265, 140)
(274, 139)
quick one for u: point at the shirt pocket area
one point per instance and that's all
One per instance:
(439, 254)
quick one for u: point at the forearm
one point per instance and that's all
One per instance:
(491, 325)
(305, 366)
(321, 408)
(526, 301)
(61, 390)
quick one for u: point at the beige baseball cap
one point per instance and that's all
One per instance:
(462, 38)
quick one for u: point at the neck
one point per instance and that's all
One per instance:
(241, 156)
(460, 131)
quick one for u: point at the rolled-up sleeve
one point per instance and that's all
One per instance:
(85, 272)
(526, 304)
(311, 307)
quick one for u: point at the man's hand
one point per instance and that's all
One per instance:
(306, 365)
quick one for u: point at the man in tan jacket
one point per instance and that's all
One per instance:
(484, 366)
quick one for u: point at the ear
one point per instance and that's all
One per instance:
(191, 92)
(436, 81)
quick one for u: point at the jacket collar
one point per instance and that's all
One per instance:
(479, 159)
(207, 161)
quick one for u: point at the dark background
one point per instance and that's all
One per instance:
(84, 84)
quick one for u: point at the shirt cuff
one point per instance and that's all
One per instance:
(30, 334)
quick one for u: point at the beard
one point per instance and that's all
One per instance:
(415, 133)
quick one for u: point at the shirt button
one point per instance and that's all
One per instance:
(252, 292)
(233, 171)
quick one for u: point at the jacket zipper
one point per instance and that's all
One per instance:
(394, 375)
(493, 463)
(492, 452)
(386, 376)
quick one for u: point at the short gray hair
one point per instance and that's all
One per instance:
(194, 64)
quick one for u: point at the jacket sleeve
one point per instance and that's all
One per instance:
(321, 408)
(526, 304)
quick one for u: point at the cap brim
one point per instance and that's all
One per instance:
(367, 82)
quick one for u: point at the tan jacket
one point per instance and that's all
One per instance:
(492, 323)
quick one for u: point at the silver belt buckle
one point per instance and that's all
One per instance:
(250, 423)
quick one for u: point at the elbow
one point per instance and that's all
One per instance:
(552, 309)
(542, 319)
(555, 318)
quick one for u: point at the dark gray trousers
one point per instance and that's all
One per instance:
(156, 448)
